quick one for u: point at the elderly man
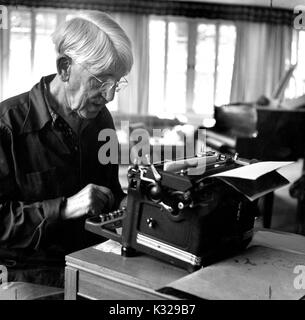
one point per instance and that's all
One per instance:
(50, 176)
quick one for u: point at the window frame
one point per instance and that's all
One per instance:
(295, 84)
(6, 38)
(192, 24)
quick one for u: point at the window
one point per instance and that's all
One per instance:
(191, 65)
(296, 85)
(19, 53)
(31, 51)
(44, 53)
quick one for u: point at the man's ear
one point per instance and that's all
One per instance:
(63, 64)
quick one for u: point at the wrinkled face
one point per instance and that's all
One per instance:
(87, 95)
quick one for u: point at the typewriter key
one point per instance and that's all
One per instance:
(180, 205)
(150, 222)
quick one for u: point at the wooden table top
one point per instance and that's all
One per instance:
(151, 273)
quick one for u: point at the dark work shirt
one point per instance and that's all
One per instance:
(41, 161)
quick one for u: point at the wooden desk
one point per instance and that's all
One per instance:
(93, 274)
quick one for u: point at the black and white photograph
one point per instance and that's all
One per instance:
(152, 153)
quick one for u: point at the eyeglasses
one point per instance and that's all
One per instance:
(108, 84)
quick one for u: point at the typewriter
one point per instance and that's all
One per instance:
(185, 212)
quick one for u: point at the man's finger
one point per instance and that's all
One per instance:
(105, 191)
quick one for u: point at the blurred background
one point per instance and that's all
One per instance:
(189, 55)
(193, 59)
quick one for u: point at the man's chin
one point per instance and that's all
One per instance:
(86, 114)
(89, 113)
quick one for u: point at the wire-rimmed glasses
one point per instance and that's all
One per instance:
(107, 84)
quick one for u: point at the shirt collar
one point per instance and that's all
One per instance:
(40, 111)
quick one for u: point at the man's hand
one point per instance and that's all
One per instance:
(93, 199)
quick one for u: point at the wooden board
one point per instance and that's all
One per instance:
(260, 273)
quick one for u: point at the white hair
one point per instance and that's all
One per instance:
(93, 38)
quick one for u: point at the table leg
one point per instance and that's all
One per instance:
(301, 217)
(71, 283)
(267, 209)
